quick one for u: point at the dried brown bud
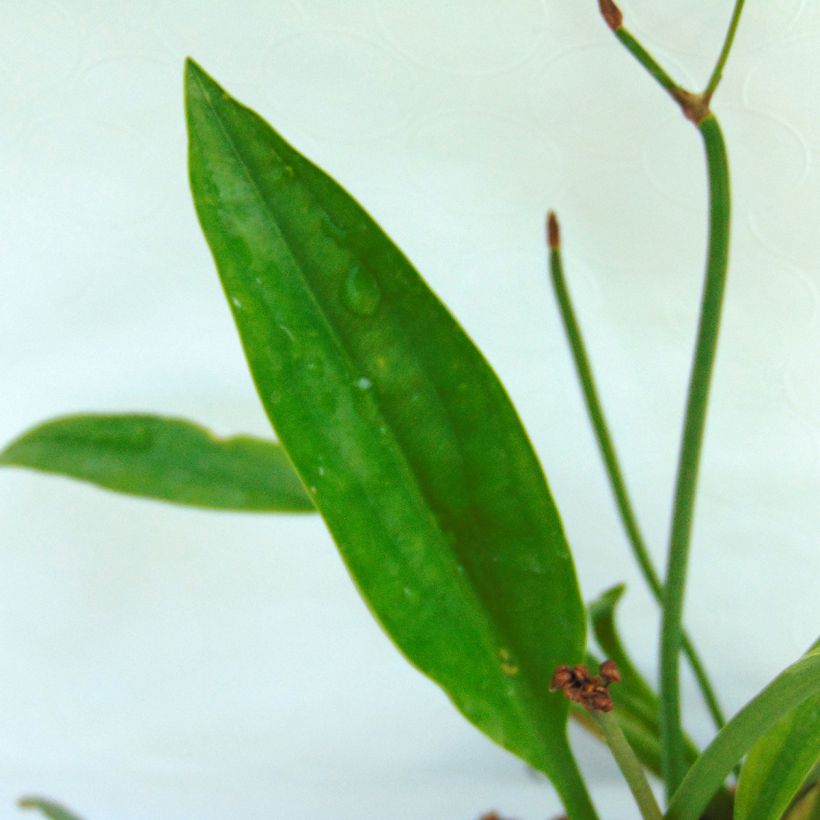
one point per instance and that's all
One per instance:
(553, 231)
(591, 691)
(608, 670)
(611, 13)
(562, 677)
(600, 702)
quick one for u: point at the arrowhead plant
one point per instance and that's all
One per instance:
(392, 425)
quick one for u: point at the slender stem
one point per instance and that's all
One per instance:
(610, 459)
(717, 72)
(629, 765)
(672, 744)
(646, 60)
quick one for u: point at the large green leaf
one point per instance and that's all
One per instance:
(47, 808)
(411, 448)
(778, 764)
(163, 458)
(790, 689)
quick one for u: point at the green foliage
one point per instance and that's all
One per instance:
(633, 689)
(411, 449)
(47, 808)
(778, 764)
(394, 427)
(165, 459)
(790, 689)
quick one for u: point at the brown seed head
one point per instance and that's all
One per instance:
(591, 691)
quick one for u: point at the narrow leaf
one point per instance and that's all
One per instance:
(787, 691)
(48, 808)
(163, 458)
(412, 450)
(779, 763)
(807, 805)
(633, 687)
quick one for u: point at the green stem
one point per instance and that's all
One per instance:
(646, 60)
(717, 72)
(613, 468)
(672, 744)
(629, 765)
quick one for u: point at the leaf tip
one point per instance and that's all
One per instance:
(198, 82)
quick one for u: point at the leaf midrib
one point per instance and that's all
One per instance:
(465, 580)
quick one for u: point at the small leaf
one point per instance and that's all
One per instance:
(48, 808)
(790, 689)
(163, 458)
(778, 764)
(412, 450)
(633, 687)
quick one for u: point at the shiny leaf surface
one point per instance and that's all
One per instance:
(412, 450)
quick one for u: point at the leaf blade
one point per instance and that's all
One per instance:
(162, 458)
(787, 691)
(779, 763)
(50, 809)
(396, 420)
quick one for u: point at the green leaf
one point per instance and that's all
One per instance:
(49, 809)
(787, 691)
(779, 763)
(412, 450)
(633, 687)
(163, 458)
(807, 805)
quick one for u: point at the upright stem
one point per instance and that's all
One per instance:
(696, 108)
(629, 765)
(672, 744)
(610, 458)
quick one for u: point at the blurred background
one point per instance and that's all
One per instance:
(180, 665)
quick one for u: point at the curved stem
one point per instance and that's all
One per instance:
(717, 72)
(629, 765)
(611, 462)
(672, 745)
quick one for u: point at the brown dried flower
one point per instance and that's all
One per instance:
(591, 691)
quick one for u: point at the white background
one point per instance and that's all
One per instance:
(167, 663)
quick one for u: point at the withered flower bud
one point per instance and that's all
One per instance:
(609, 671)
(562, 677)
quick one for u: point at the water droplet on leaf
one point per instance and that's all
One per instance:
(360, 292)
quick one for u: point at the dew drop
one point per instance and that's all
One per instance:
(360, 292)
(237, 303)
(364, 383)
(315, 366)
